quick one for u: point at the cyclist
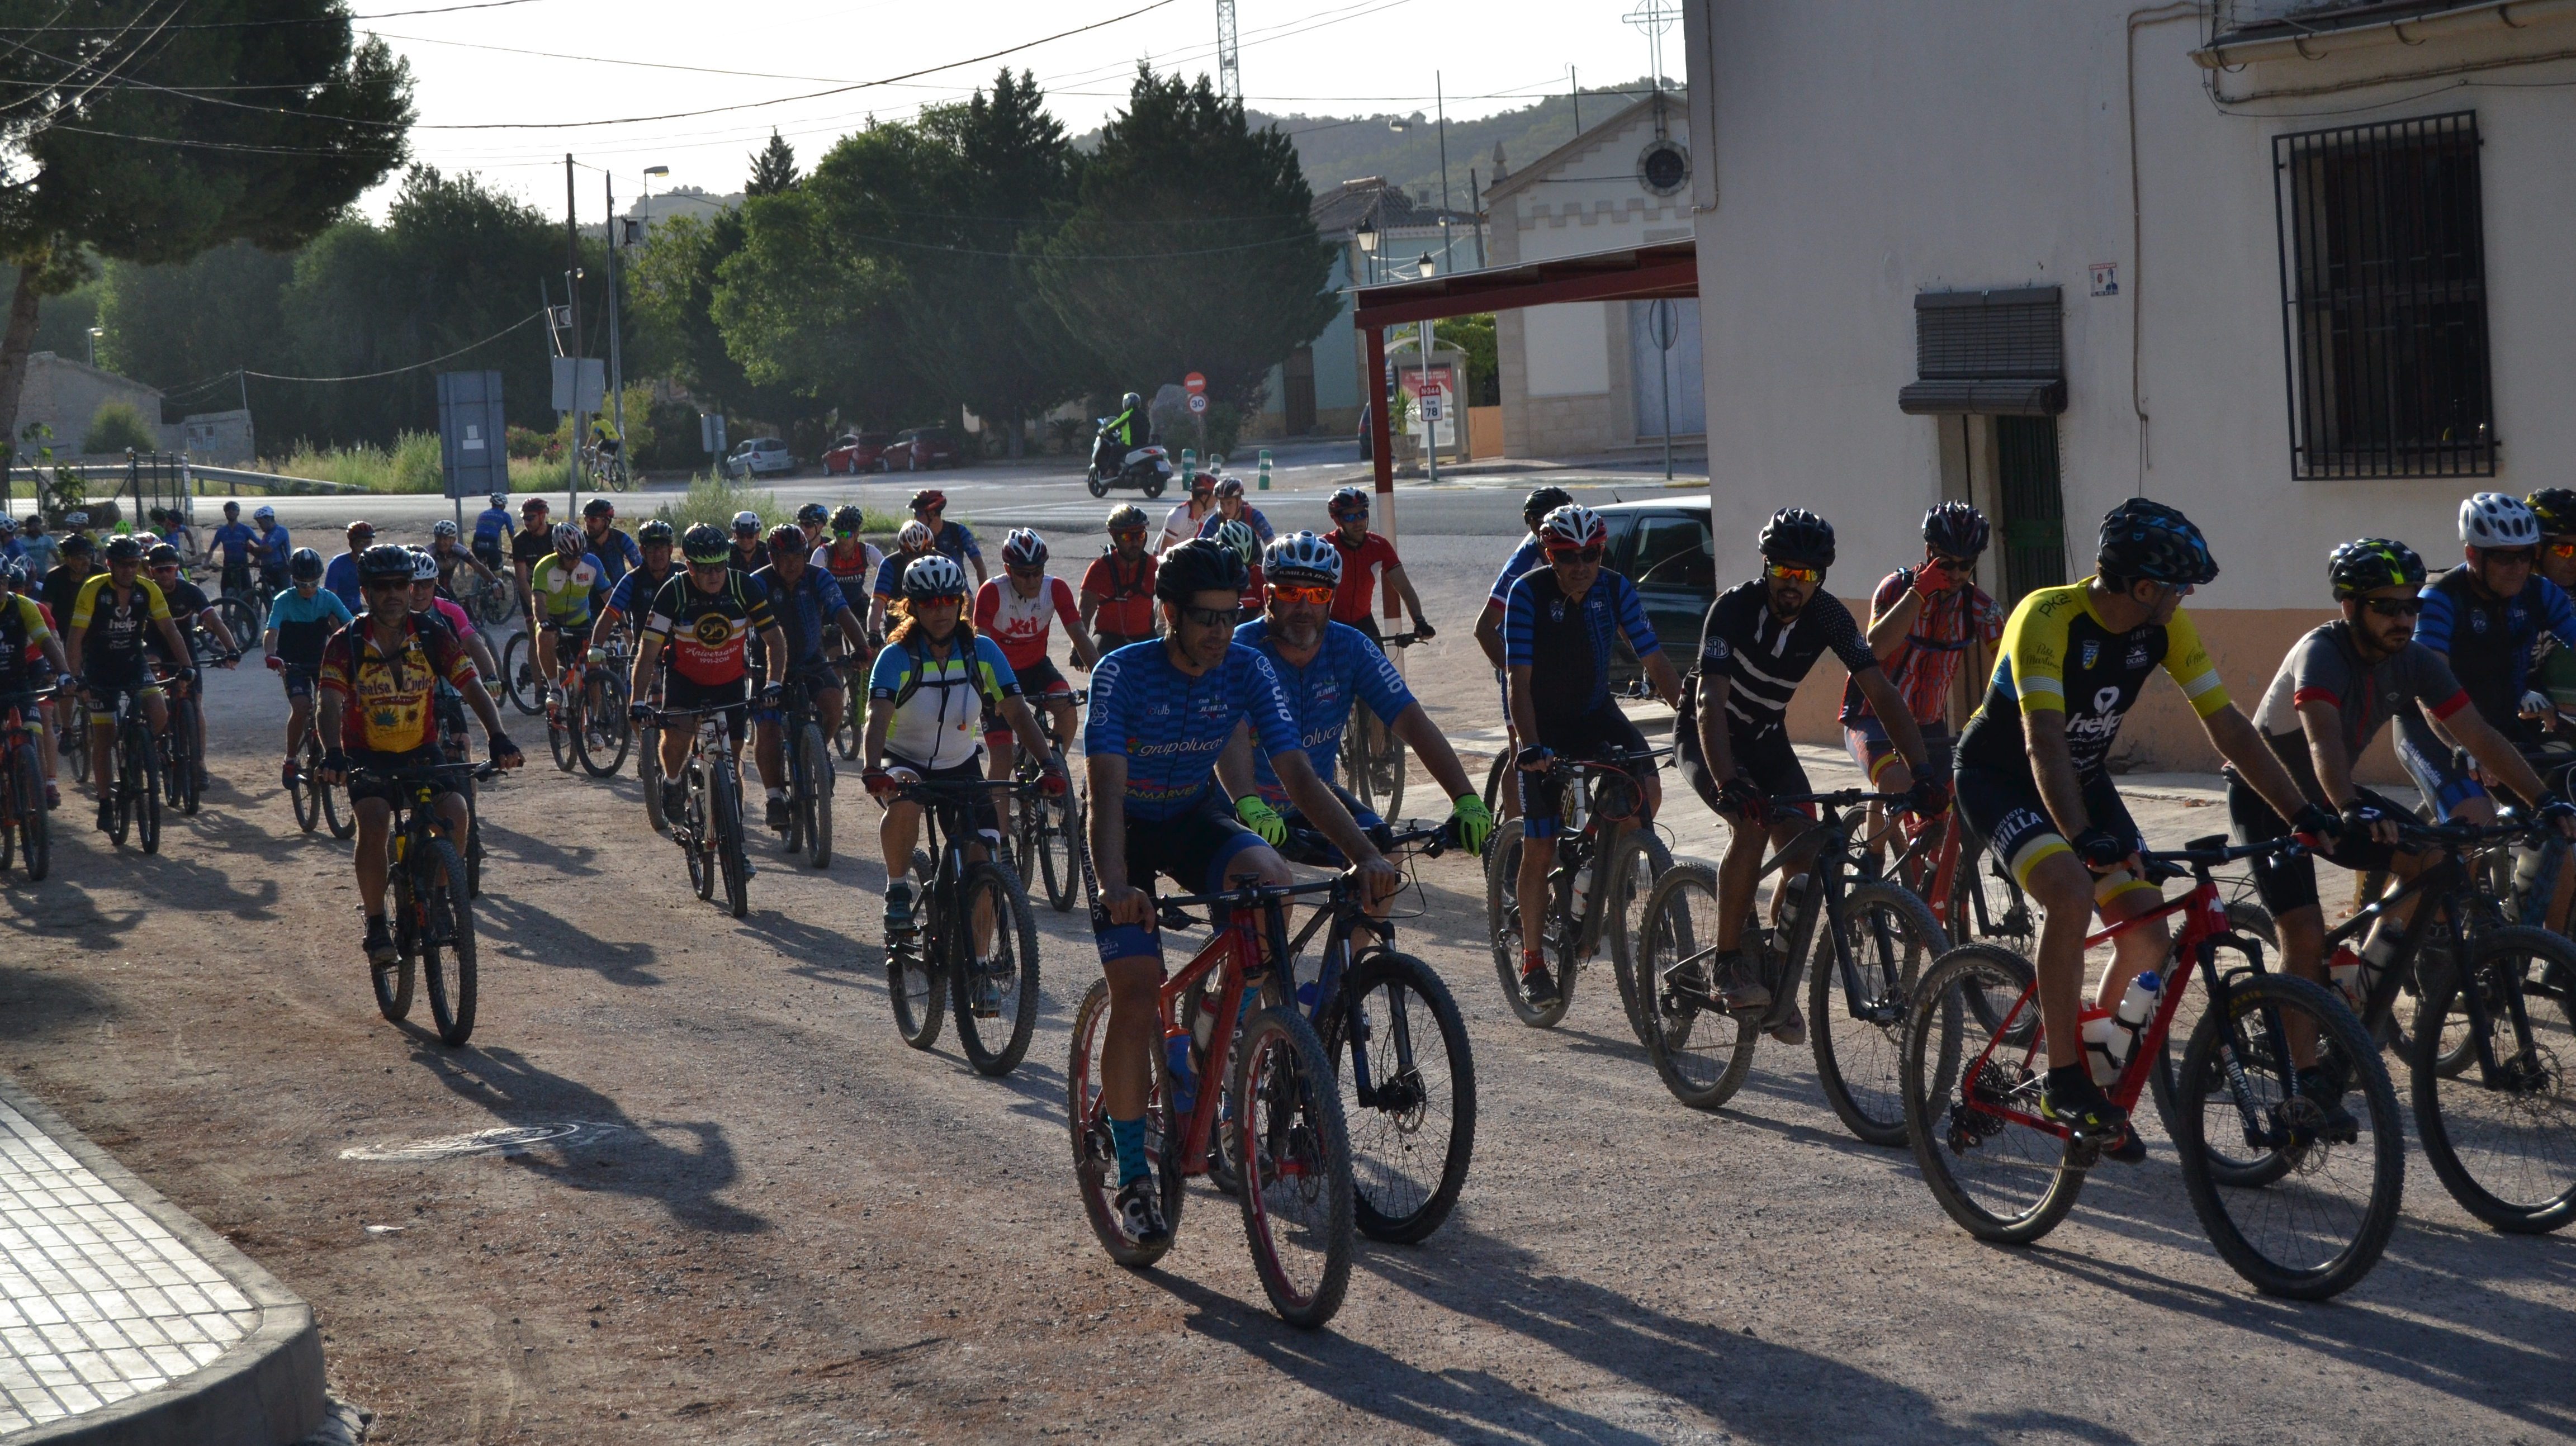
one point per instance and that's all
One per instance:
(949, 539)
(62, 584)
(1557, 628)
(1231, 507)
(2032, 780)
(2338, 684)
(633, 596)
(442, 546)
(2553, 668)
(1366, 556)
(491, 529)
(533, 543)
(811, 519)
(934, 679)
(1118, 587)
(603, 440)
(852, 561)
(39, 549)
(614, 551)
(1018, 611)
(1184, 520)
(886, 598)
(10, 551)
(300, 619)
(121, 605)
(808, 604)
(342, 575)
(1324, 668)
(1239, 539)
(1527, 557)
(1161, 711)
(235, 542)
(27, 646)
(1921, 621)
(189, 609)
(559, 589)
(704, 617)
(425, 598)
(275, 546)
(378, 681)
(750, 550)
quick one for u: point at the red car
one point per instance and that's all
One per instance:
(926, 447)
(857, 452)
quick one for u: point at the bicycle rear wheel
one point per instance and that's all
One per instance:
(498, 599)
(1639, 860)
(2319, 1228)
(814, 809)
(239, 620)
(1702, 1055)
(995, 995)
(2504, 1145)
(1095, 1155)
(916, 979)
(1408, 1083)
(1503, 918)
(447, 940)
(605, 732)
(2001, 1178)
(519, 675)
(1294, 1155)
(35, 828)
(1860, 1040)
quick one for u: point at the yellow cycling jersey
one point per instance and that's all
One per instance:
(2057, 654)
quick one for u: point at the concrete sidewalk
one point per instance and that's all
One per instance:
(124, 1320)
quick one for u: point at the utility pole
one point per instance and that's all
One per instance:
(1476, 207)
(616, 357)
(572, 288)
(1576, 86)
(1229, 75)
(1440, 104)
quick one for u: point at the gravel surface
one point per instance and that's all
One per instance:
(758, 1217)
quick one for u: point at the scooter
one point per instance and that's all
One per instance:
(1148, 468)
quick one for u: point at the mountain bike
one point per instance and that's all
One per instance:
(489, 601)
(456, 743)
(2310, 1208)
(810, 775)
(432, 917)
(25, 825)
(1586, 902)
(318, 803)
(605, 472)
(72, 739)
(853, 731)
(568, 715)
(973, 938)
(709, 828)
(1050, 831)
(135, 790)
(1881, 940)
(1373, 769)
(604, 733)
(1288, 1139)
(244, 606)
(519, 676)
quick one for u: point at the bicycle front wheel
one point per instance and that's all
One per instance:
(447, 953)
(1060, 851)
(1294, 1155)
(1095, 1153)
(307, 790)
(724, 815)
(1408, 1084)
(814, 808)
(1972, 1093)
(2503, 1141)
(143, 775)
(1859, 1038)
(35, 829)
(1639, 860)
(239, 620)
(339, 813)
(605, 732)
(650, 771)
(393, 982)
(2319, 1227)
(563, 732)
(519, 674)
(913, 969)
(1702, 1055)
(994, 987)
(1503, 918)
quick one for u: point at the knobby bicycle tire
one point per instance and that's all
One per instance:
(649, 768)
(1623, 911)
(518, 674)
(605, 732)
(916, 982)
(1013, 967)
(238, 620)
(2504, 1148)
(1678, 932)
(1060, 849)
(1394, 1140)
(2036, 1181)
(698, 850)
(1860, 1043)
(724, 805)
(1095, 1160)
(393, 982)
(35, 828)
(1288, 1129)
(2247, 945)
(448, 915)
(1503, 921)
(814, 805)
(339, 814)
(142, 779)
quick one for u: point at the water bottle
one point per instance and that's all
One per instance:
(2099, 1029)
(1578, 807)
(1582, 888)
(1185, 1080)
(2135, 1007)
(1203, 1022)
(1307, 994)
(2346, 968)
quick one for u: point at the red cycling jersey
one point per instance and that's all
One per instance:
(1361, 562)
(1021, 625)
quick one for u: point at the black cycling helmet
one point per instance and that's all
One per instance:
(385, 562)
(1796, 535)
(2145, 541)
(1956, 529)
(1541, 502)
(163, 555)
(304, 565)
(654, 533)
(1199, 565)
(124, 549)
(812, 514)
(706, 542)
(76, 545)
(599, 507)
(849, 518)
(2370, 563)
(2556, 509)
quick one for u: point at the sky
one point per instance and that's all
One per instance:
(655, 58)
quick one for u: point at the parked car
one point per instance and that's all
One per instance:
(857, 452)
(759, 457)
(926, 447)
(1666, 549)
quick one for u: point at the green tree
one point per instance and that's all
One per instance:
(674, 279)
(1191, 248)
(112, 153)
(185, 328)
(118, 426)
(773, 169)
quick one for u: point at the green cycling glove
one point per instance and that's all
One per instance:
(1262, 819)
(1472, 821)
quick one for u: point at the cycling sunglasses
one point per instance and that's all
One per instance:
(1295, 592)
(2394, 607)
(1348, 511)
(1209, 617)
(1038, 571)
(1793, 572)
(2562, 549)
(1591, 554)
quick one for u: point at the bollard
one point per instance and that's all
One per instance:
(1265, 469)
(1189, 466)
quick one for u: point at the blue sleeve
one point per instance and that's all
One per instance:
(886, 576)
(1378, 684)
(338, 608)
(1632, 620)
(277, 609)
(2433, 629)
(1104, 731)
(634, 554)
(1261, 525)
(1521, 561)
(1258, 694)
(988, 656)
(829, 588)
(966, 540)
(1520, 615)
(886, 677)
(2557, 613)
(621, 599)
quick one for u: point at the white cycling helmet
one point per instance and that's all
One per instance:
(424, 567)
(1302, 557)
(934, 576)
(2492, 519)
(914, 537)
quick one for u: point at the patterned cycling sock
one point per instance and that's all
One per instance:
(1531, 962)
(1130, 1138)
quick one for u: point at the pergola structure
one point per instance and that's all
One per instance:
(1665, 271)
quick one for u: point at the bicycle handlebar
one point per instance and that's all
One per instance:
(424, 773)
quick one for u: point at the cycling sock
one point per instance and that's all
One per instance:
(778, 793)
(1130, 1138)
(1531, 962)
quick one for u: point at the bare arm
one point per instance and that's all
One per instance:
(2052, 767)
(1489, 632)
(1666, 682)
(647, 654)
(1887, 631)
(1297, 774)
(2255, 761)
(1234, 764)
(1109, 820)
(1714, 743)
(1897, 718)
(2322, 722)
(1428, 744)
(880, 723)
(1404, 593)
(1524, 709)
(72, 646)
(2497, 755)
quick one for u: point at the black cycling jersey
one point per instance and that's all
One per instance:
(187, 601)
(1763, 657)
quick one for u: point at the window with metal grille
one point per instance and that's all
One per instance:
(2383, 287)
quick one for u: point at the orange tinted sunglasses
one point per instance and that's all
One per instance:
(1301, 592)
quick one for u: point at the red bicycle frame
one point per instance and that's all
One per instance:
(1237, 949)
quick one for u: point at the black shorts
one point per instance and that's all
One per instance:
(2006, 810)
(103, 678)
(426, 756)
(681, 694)
(1597, 734)
(298, 678)
(2291, 883)
(236, 576)
(970, 771)
(1766, 757)
(1037, 681)
(1194, 849)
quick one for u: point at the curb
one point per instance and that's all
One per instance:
(266, 1390)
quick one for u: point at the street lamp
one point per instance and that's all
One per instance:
(1430, 437)
(1366, 234)
(95, 333)
(649, 173)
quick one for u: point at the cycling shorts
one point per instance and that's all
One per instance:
(426, 756)
(1308, 846)
(1597, 734)
(2006, 810)
(970, 771)
(1195, 850)
(1040, 682)
(1870, 747)
(681, 694)
(2439, 776)
(29, 712)
(817, 678)
(298, 679)
(2291, 883)
(105, 678)
(236, 575)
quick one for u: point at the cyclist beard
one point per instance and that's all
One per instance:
(1300, 632)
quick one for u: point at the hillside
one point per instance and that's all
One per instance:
(1334, 149)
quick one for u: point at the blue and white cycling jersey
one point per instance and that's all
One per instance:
(492, 528)
(635, 591)
(1252, 518)
(1560, 640)
(1347, 667)
(233, 540)
(805, 611)
(2488, 641)
(617, 555)
(277, 548)
(1170, 726)
(1527, 558)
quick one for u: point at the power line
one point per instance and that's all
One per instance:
(258, 24)
(398, 371)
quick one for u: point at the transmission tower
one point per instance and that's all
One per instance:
(1229, 76)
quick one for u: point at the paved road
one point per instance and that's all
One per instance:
(738, 1209)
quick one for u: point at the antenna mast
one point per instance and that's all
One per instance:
(1229, 77)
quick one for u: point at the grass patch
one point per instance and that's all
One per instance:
(411, 464)
(715, 500)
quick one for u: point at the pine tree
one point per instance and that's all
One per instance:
(773, 170)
